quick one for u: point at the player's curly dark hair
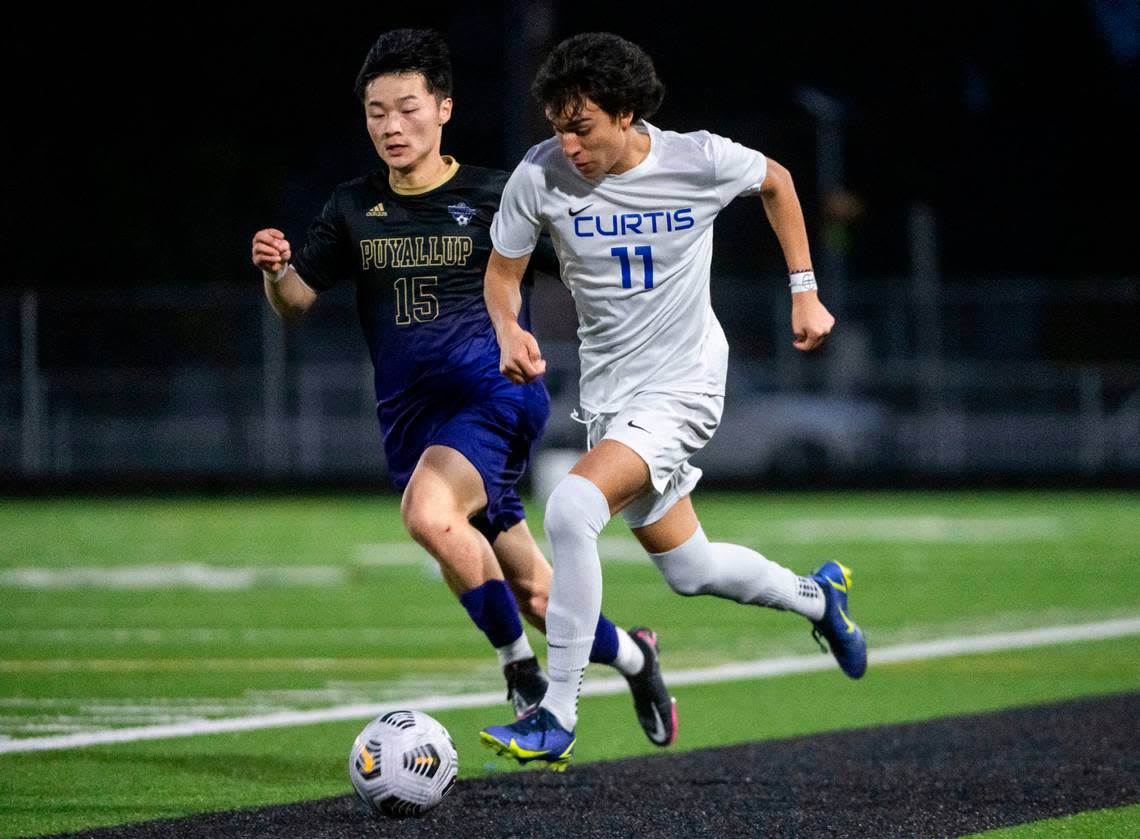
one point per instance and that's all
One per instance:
(409, 51)
(616, 74)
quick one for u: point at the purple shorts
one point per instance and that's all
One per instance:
(495, 432)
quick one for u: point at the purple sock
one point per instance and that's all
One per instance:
(494, 610)
(605, 647)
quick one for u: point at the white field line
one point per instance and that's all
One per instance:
(178, 575)
(210, 636)
(803, 531)
(768, 668)
(944, 529)
(392, 554)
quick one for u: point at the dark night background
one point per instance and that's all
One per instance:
(146, 148)
(148, 151)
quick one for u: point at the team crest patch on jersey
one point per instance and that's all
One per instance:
(461, 213)
(377, 212)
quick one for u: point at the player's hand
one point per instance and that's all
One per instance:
(520, 359)
(811, 322)
(271, 251)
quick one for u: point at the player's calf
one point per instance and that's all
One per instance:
(532, 603)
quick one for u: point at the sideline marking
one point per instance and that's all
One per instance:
(763, 669)
(195, 575)
(948, 530)
(801, 531)
(933, 529)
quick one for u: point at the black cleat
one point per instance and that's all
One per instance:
(656, 709)
(526, 685)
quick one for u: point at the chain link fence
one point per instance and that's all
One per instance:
(191, 384)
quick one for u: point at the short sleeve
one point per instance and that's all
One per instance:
(515, 228)
(738, 170)
(327, 257)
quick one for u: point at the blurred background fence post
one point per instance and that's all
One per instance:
(31, 389)
(275, 430)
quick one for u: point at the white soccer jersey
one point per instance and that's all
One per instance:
(635, 251)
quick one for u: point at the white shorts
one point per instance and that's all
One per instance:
(665, 430)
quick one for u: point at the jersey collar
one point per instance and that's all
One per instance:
(650, 160)
(449, 173)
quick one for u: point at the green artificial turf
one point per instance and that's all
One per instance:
(346, 627)
(1117, 823)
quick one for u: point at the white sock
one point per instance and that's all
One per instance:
(630, 659)
(517, 650)
(810, 599)
(737, 573)
(576, 512)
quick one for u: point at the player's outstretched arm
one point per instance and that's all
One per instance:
(811, 322)
(286, 291)
(519, 357)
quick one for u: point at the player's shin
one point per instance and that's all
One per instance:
(575, 514)
(737, 573)
(494, 610)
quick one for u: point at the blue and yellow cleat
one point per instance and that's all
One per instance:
(535, 737)
(843, 635)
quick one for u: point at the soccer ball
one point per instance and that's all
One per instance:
(402, 764)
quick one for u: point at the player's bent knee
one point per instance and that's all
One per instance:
(559, 518)
(683, 577)
(424, 524)
(576, 508)
(686, 586)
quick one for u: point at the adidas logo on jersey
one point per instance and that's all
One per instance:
(377, 212)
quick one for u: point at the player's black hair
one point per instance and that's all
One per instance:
(409, 51)
(616, 74)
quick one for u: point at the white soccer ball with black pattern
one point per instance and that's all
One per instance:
(402, 764)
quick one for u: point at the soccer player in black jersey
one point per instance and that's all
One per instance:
(414, 238)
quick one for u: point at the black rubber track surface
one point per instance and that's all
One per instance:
(941, 778)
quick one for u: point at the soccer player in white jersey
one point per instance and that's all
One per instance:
(630, 209)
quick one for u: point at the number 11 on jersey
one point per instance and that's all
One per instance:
(646, 254)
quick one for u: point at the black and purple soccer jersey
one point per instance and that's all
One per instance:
(418, 260)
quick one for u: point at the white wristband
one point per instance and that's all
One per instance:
(280, 275)
(802, 281)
